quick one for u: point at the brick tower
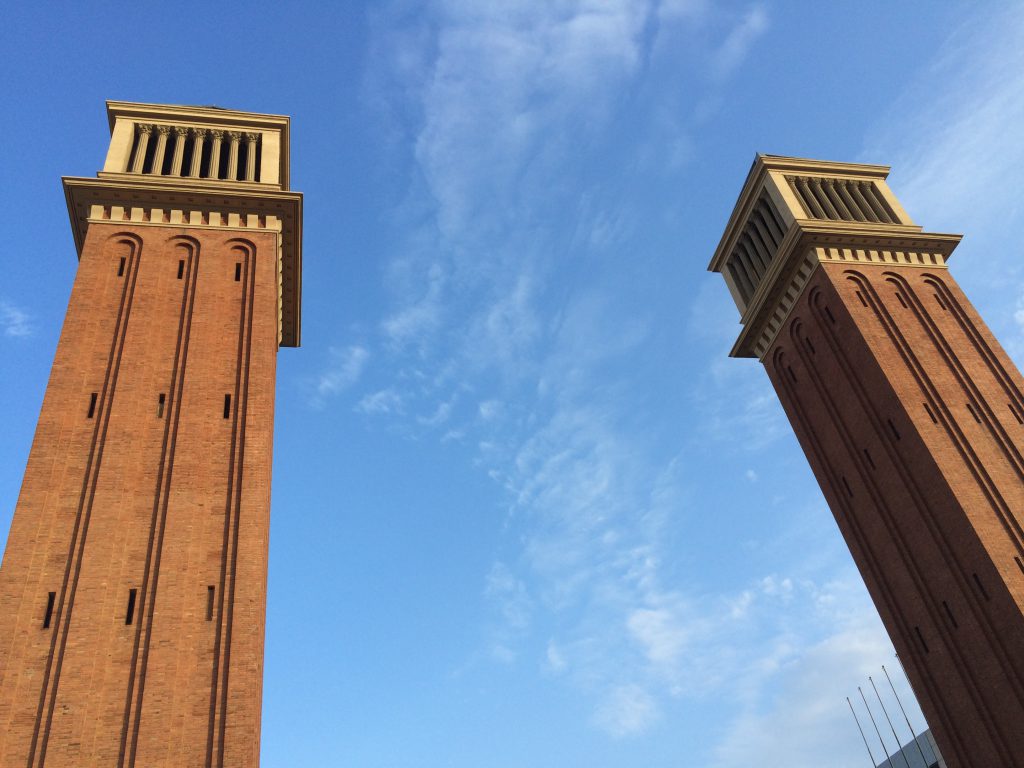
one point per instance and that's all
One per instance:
(912, 418)
(133, 586)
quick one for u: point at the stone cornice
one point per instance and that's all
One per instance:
(810, 242)
(235, 205)
(209, 186)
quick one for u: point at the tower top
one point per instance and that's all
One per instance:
(128, 120)
(793, 214)
(194, 166)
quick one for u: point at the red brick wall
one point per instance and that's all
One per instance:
(168, 504)
(910, 414)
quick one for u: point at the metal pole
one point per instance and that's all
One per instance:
(857, 721)
(877, 732)
(915, 696)
(886, 713)
(921, 751)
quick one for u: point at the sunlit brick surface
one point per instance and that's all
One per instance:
(910, 414)
(170, 500)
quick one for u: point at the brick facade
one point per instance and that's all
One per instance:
(910, 414)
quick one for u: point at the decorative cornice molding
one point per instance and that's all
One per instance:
(812, 242)
(131, 199)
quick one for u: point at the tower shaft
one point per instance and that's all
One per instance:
(912, 418)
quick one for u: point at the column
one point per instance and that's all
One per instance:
(143, 145)
(250, 156)
(236, 137)
(198, 139)
(162, 131)
(180, 135)
(213, 172)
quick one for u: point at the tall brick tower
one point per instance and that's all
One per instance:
(912, 418)
(133, 586)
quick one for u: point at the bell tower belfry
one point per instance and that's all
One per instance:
(133, 586)
(912, 418)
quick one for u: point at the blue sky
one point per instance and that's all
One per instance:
(526, 511)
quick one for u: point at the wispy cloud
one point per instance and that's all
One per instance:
(960, 152)
(344, 369)
(958, 170)
(508, 594)
(516, 99)
(626, 711)
(795, 711)
(14, 321)
(421, 317)
(383, 401)
(503, 77)
(737, 44)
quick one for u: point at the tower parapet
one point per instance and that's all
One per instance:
(795, 214)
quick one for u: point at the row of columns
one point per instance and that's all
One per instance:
(216, 136)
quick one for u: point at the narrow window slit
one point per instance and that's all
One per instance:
(129, 615)
(830, 315)
(209, 603)
(1020, 564)
(120, 267)
(227, 406)
(981, 587)
(238, 271)
(921, 638)
(181, 268)
(940, 302)
(51, 598)
(895, 432)
(867, 455)
(810, 346)
(949, 613)
(931, 413)
(791, 374)
(849, 490)
(862, 299)
(1015, 413)
(900, 297)
(160, 402)
(92, 405)
(974, 413)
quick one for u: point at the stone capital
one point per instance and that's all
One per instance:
(163, 130)
(144, 128)
(252, 136)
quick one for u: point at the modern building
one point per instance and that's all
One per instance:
(133, 586)
(921, 752)
(912, 418)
